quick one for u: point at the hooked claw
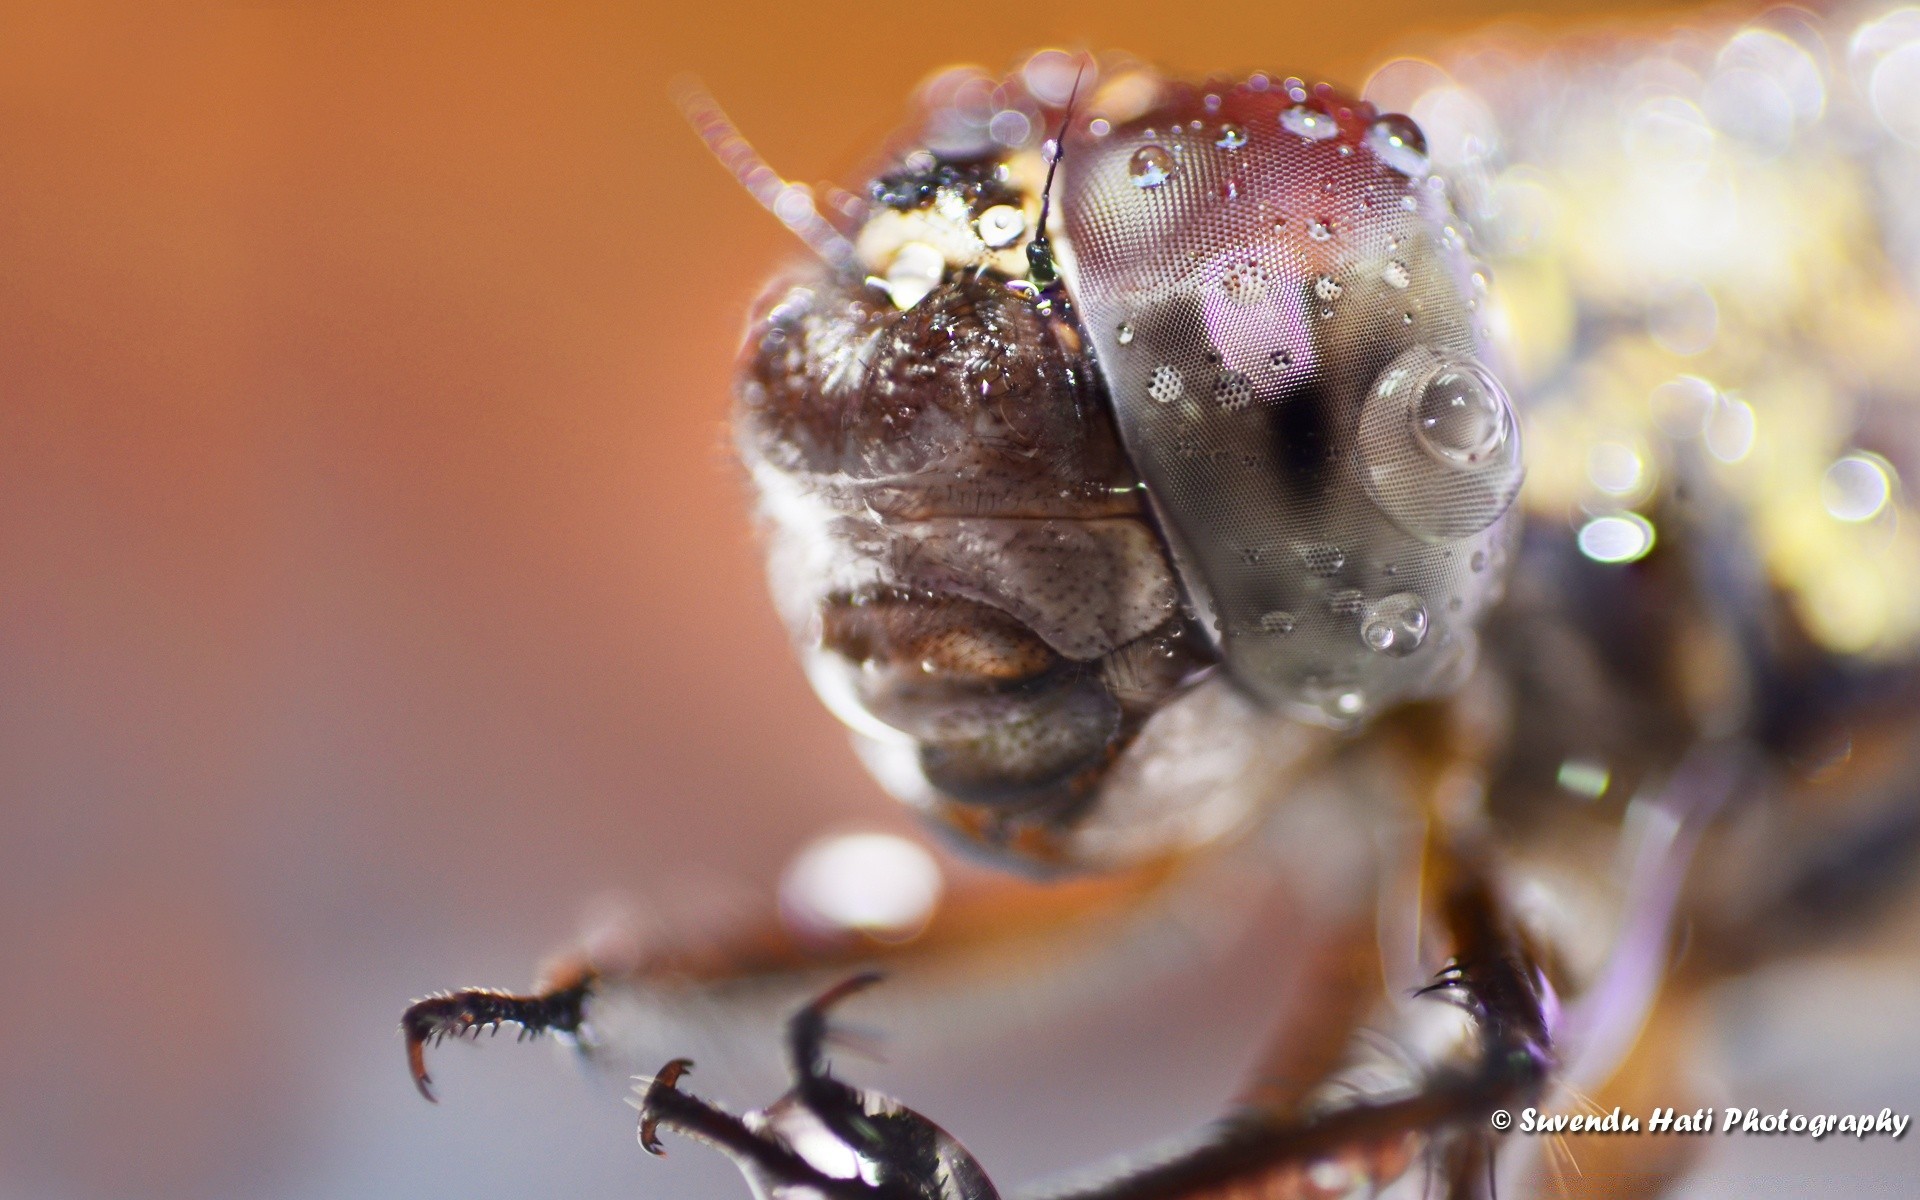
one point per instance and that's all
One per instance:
(666, 1080)
(468, 1011)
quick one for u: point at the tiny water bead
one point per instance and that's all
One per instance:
(1276, 623)
(1346, 602)
(1320, 230)
(1150, 166)
(1395, 625)
(1311, 125)
(1323, 560)
(1326, 288)
(1124, 335)
(1395, 274)
(1001, 226)
(1233, 390)
(1461, 415)
(1165, 386)
(1232, 137)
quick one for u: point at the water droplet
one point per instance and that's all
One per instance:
(1150, 167)
(1232, 137)
(1857, 487)
(1395, 273)
(1010, 127)
(1397, 141)
(1324, 560)
(1279, 360)
(1251, 555)
(1346, 602)
(1165, 386)
(873, 882)
(1395, 625)
(1309, 124)
(1479, 561)
(1349, 704)
(1233, 390)
(1124, 335)
(1326, 288)
(1617, 538)
(1614, 468)
(1331, 1177)
(917, 269)
(1730, 430)
(1319, 231)
(1682, 405)
(1001, 225)
(1461, 415)
(1276, 623)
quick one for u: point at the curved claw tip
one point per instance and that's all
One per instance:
(417, 1067)
(846, 987)
(668, 1079)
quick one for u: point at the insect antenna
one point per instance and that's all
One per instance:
(792, 203)
(1042, 270)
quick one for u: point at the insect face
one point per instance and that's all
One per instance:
(1247, 433)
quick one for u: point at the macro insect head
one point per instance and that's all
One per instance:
(1134, 459)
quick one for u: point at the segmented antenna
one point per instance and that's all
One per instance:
(1042, 271)
(792, 203)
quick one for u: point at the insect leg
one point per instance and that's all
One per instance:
(467, 1011)
(1493, 977)
(991, 920)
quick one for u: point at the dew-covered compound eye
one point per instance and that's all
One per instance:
(1074, 463)
(1286, 321)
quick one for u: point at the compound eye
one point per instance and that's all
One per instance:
(1439, 447)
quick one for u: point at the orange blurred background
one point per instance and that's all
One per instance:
(376, 590)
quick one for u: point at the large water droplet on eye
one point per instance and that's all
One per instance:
(1309, 124)
(1395, 625)
(1232, 137)
(1460, 415)
(1165, 385)
(1396, 141)
(1150, 167)
(1439, 447)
